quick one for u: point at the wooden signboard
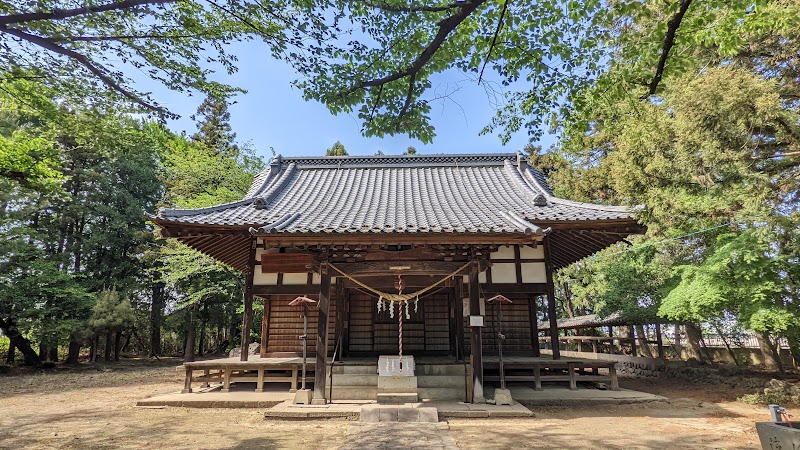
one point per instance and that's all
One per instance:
(286, 263)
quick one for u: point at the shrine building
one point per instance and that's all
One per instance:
(401, 255)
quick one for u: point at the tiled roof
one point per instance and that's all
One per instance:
(490, 193)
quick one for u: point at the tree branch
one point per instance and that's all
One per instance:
(57, 14)
(669, 42)
(446, 26)
(407, 103)
(121, 37)
(99, 72)
(392, 8)
(494, 39)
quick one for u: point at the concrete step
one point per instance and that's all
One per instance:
(426, 381)
(442, 393)
(385, 413)
(350, 369)
(354, 392)
(439, 369)
(348, 379)
(397, 397)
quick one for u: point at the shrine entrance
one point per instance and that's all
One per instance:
(428, 328)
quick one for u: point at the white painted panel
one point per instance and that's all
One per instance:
(526, 252)
(264, 279)
(295, 278)
(466, 311)
(534, 273)
(481, 277)
(504, 273)
(503, 252)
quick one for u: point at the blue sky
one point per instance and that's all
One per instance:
(273, 114)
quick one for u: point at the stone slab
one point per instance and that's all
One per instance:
(503, 397)
(397, 384)
(397, 397)
(217, 399)
(399, 436)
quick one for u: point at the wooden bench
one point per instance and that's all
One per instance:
(227, 373)
(574, 372)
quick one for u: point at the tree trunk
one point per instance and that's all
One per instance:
(107, 349)
(43, 349)
(156, 311)
(202, 344)
(678, 348)
(643, 345)
(771, 358)
(117, 342)
(74, 350)
(188, 352)
(20, 342)
(52, 354)
(693, 336)
(12, 350)
(95, 347)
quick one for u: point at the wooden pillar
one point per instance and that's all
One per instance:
(265, 328)
(320, 369)
(247, 316)
(551, 301)
(659, 341)
(476, 341)
(632, 336)
(534, 321)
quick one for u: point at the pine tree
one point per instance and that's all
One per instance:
(213, 126)
(336, 150)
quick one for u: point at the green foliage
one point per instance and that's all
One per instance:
(764, 399)
(86, 53)
(111, 313)
(337, 149)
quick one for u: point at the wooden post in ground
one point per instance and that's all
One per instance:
(551, 301)
(534, 321)
(247, 316)
(476, 341)
(659, 341)
(320, 369)
(264, 328)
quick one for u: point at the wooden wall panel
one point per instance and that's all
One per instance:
(437, 323)
(286, 324)
(516, 327)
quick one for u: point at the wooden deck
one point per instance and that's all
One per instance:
(287, 370)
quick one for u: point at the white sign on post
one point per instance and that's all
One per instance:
(476, 321)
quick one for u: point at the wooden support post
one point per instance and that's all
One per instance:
(338, 327)
(612, 369)
(537, 377)
(320, 369)
(260, 382)
(611, 347)
(632, 336)
(659, 341)
(534, 321)
(187, 382)
(551, 301)
(573, 385)
(476, 342)
(265, 328)
(205, 377)
(247, 316)
(226, 379)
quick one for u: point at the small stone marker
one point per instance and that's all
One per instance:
(503, 397)
(303, 397)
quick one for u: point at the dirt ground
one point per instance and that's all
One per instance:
(87, 409)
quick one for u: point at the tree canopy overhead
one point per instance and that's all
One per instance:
(88, 50)
(556, 58)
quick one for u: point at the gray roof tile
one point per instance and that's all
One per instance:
(492, 193)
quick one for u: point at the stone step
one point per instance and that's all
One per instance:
(348, 379)
(351, 369)
(442, 393)
(385, 413)
(397, 397)
(397, 384)
(425, 381)
(354, 392)
(439, 369)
